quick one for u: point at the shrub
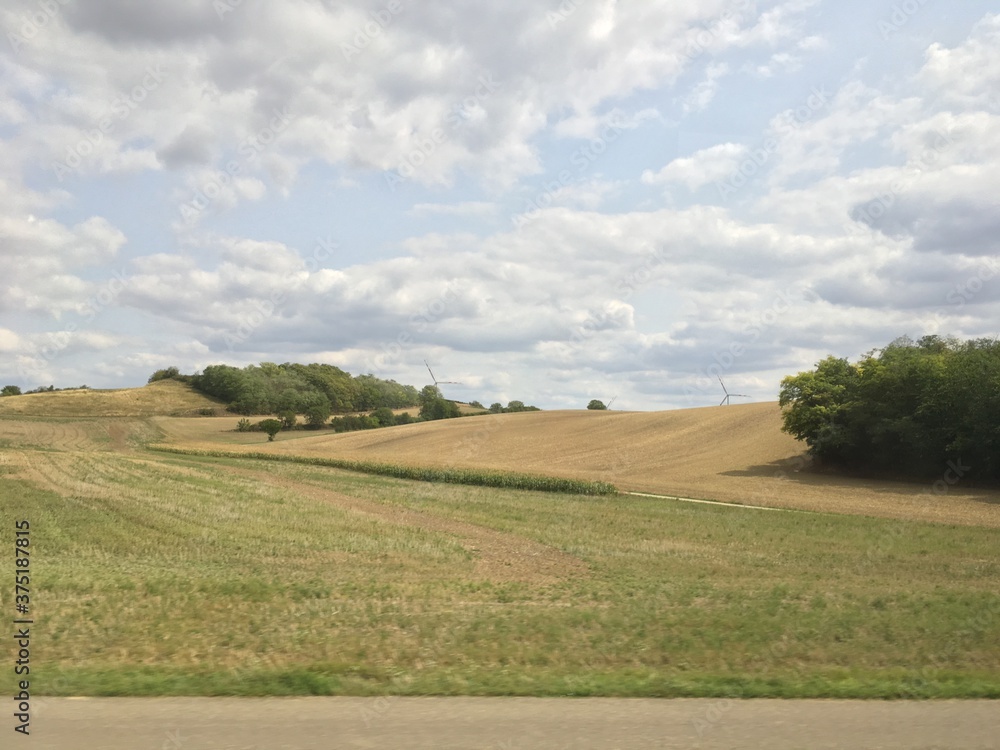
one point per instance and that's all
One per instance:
(166, 374)
(271, 426)
(384, 416)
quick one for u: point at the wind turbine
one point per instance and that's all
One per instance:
(436, 381)
(728, 394)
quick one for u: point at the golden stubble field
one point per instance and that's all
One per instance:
(162, 397)
(729, 453)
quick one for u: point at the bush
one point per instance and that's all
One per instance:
(271, 426)
(166, 374)
(384, 416)
(244, 425)
(10, 390)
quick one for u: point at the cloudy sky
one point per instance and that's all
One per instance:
(547, 201)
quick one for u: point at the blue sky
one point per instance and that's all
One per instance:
(551, 202)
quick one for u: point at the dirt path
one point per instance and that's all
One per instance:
(507, 724)
(499, 556)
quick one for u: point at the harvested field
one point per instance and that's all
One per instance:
(162, 397)
(166, 574)
(734, 453)
(50, 434)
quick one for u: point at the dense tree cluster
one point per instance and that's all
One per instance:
(314, 390)
(512, 406)
(381, 417)
(913, 410)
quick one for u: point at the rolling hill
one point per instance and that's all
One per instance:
(163, 398)
(732, 453)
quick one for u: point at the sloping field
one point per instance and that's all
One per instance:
(165, 397)
(733, 453)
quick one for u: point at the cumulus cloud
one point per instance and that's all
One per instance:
(162, 167)
(701, 168)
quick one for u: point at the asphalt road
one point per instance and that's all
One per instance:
(502, 724)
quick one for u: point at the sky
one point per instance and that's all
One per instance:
(546, 201)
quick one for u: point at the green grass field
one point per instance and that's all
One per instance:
(155, 574)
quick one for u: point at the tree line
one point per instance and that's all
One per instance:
(317, 391)
(313, 389)
(918, 410)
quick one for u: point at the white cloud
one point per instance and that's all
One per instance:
(969, 74)
(705, 92)
(701, 168)
(9, 341)
(284, 136)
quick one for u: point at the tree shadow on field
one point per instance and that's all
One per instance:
(799, 470)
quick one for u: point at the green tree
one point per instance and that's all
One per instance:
(271, 426)
(596, 405)
(384, 416)
(318, 411)
(288, 419)
(910, 409)
(10, 390)
(434, 406)
(167, 374)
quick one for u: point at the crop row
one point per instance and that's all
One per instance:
(478, 477)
